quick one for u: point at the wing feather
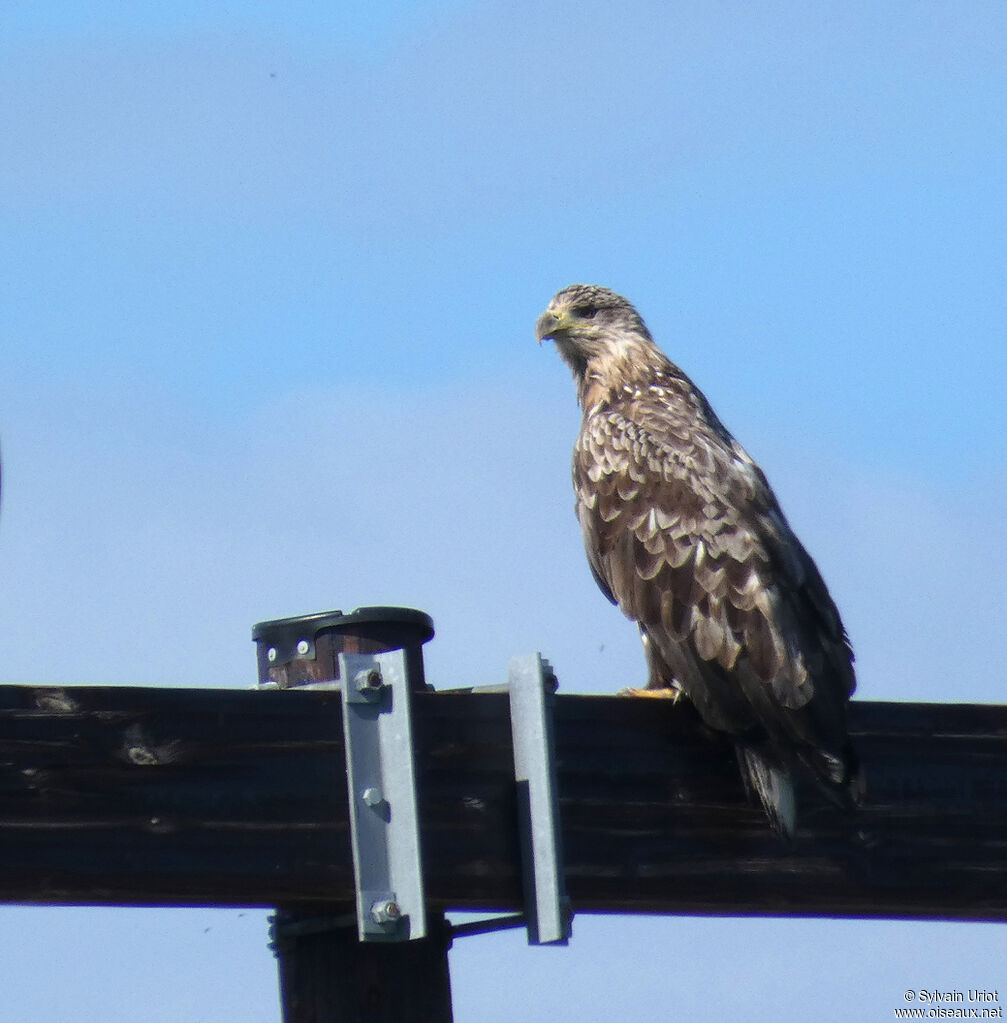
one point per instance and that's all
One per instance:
(683, 532)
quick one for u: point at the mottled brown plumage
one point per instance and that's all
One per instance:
(683, 532)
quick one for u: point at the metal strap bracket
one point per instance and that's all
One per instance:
(380, 775)
(547, 908)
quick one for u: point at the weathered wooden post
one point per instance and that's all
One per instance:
(328, 974)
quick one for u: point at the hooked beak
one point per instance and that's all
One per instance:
(548, 324)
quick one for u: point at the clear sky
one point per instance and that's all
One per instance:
(268, 278)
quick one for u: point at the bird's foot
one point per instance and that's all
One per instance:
(664, 693)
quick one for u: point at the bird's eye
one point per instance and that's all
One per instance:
(584, 312)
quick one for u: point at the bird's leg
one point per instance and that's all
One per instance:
(661, 684)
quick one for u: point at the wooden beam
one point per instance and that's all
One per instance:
(238, 798)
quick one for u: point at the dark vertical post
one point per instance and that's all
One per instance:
(327, 975)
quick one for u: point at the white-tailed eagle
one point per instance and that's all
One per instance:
(683, 532)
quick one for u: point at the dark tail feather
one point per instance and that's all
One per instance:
(774, 788)
(838, 776)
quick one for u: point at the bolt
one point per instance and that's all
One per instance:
(271, 654)
(372, 796)
(385, 912)
(303, 647)
(367, 681)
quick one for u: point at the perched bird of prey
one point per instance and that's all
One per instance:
(683, 532)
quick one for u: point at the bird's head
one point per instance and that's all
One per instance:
(586, 313)
(588, 323)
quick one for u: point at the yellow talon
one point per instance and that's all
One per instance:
(664, 693)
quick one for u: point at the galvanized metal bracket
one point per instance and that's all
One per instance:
(531, 685)
(381, 779)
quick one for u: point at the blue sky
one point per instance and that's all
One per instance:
(268, 277)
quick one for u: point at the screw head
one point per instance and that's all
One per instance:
(271, 654)
(303, 646)
(372, 796)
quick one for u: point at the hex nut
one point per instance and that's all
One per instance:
(386, 911)
(368, 681)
